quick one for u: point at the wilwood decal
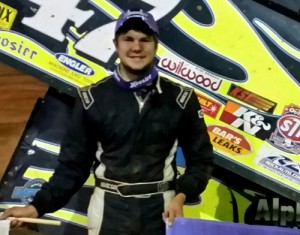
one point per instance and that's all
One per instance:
(228, 140)
(190, 73)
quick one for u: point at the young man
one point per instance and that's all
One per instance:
(128, 127)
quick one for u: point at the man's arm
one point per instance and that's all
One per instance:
(198, 153)
(77, 153)
(18, 212)
(76, 157)
(197, 150)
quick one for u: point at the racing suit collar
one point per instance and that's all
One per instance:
(149, 78)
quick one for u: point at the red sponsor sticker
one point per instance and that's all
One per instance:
(291, 109)
(289, 127)
(208, 106)
(251, 98)
(228, 140)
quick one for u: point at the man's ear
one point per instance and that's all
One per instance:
(115, 42)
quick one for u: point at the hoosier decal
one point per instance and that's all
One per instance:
(228, 140)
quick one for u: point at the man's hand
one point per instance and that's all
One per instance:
(26, 211)
(175, 209)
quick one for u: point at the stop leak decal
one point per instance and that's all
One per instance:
(20, 47)
(287, 135)
(250, 98)
(289, 127)
(228, 140)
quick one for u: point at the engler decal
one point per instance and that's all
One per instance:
(74, 64)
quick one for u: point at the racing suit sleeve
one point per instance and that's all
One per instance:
(76, 157)
(197, 150)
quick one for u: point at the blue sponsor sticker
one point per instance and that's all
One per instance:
(28, 191)
(74, 64)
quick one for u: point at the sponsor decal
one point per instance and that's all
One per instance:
(18, 46)
(108, 186)
(279, 164)
(28, 191)
(74, 64)
(86, 97)
(183, 97)
(251, 98)
(208, 106)
(273, 211)
(292, 109)
(289, 127)
(287, 135)
(200, 114)
(246, 120)
(228, 140)
(7, 16)
(190, 73)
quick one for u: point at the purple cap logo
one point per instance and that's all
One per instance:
(144, 16)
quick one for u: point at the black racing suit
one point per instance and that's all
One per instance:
(130, 140)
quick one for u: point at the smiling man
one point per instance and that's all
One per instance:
(136, 50)
(128, 127)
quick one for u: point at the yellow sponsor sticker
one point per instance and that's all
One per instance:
(7, 16)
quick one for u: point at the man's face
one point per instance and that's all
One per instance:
(136, 51)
